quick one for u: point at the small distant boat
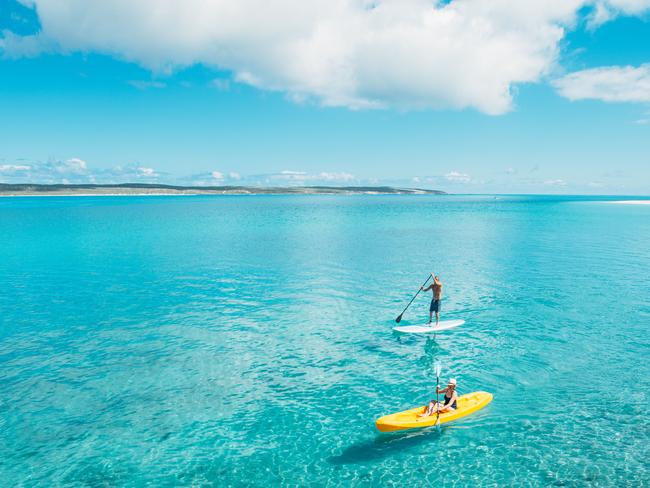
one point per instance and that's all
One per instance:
(408, 419)
(429, 329)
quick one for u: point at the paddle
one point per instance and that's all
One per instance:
(438, 371)
(399, 317)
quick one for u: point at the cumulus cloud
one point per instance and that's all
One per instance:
(130, 173)
(13, 168)
(410, 54)
(75, 171)
(147, 172)
(607, 10)
(74, 165)
(55, 171)
(458, 177)
(446, 180)
(609, 84)
(303, 177)
(281, 178)
(209, 178)
(556, 182)
(336, 176)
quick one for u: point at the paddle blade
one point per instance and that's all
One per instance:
(438, 369)
(399, 318)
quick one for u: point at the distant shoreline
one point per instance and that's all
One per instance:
(140, 189)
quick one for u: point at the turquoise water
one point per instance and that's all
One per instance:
(246, 341)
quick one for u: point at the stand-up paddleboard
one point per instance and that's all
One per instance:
(410, 419)
(429, 329)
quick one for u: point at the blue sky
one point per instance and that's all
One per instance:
(476, 99)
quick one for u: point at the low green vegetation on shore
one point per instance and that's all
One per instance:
(155, 189)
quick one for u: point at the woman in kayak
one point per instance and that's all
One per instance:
(451, 398)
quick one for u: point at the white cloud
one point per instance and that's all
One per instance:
(13, 168)
(210, 178)
(144, 85)
(292, 174)
(457, 177)
(282, 178)
(220, 84)
(52, 171)
(73, 170)
(74, 165)
(607, 10)
(304, 177)
(409, 54)
(609, 84)
(629, 7)
(556, 182)
(76, 171)
(147, 172)
(335, 176)
(13, 46)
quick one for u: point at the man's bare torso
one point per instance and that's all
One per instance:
(436, 288)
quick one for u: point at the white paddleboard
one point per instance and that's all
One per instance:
(429, 329)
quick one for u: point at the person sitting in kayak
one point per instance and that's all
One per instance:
(450, 404)
(436, 288)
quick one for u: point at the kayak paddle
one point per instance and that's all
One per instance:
(399, 317)
(438, 371)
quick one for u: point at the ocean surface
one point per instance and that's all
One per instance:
(246, 340)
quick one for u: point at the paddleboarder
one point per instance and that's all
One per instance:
(436, 288)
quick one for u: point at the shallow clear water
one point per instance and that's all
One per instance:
(247, 340)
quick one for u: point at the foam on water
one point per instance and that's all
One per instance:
(246, 340)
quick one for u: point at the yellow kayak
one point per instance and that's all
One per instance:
(408, 419)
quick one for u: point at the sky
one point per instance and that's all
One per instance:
(466, 96)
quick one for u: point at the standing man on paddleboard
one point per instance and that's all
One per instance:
(436, 288)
